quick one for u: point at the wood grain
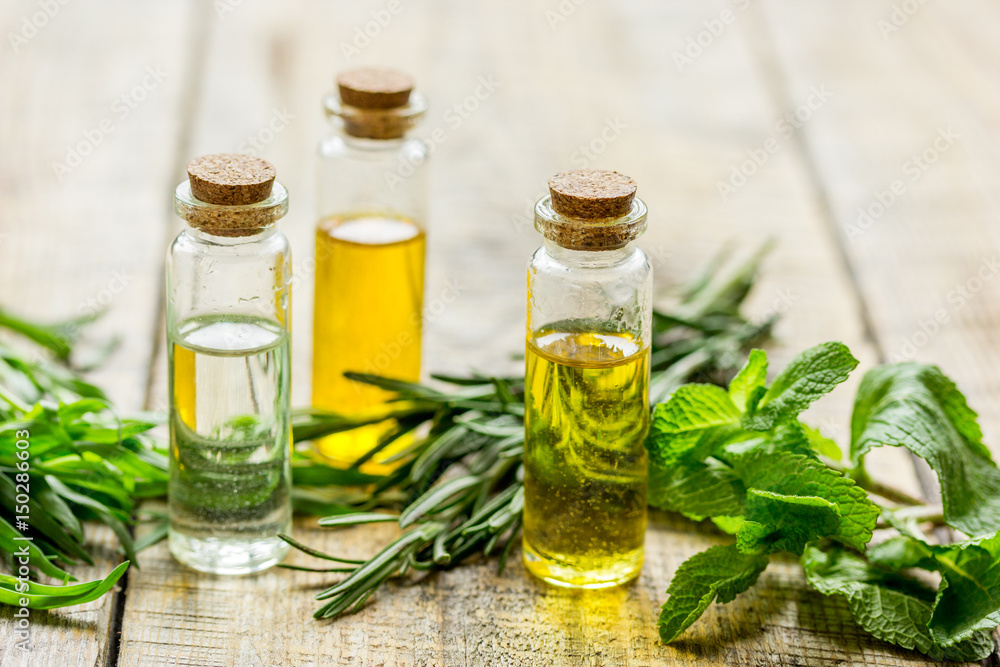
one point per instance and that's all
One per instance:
(594, 84)
(91, 237)
(263, 58)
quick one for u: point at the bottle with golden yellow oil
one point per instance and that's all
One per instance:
(587, 384)
(370, 247)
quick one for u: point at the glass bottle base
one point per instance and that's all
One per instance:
(217, 556)
(583, 573)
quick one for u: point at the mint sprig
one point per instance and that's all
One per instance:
(916, 406)
(743, 459)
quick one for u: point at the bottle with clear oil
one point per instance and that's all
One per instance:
(370, 247)
(587, 384)
(228, 292)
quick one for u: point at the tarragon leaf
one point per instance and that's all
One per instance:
(916, 406)
(720, 573)
(890, 606)
(812, 374)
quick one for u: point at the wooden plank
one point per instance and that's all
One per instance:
(90, 235)
(912, 109)
(559, 90)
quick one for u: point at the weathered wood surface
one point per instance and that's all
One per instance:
(90, 236)
(606, 68)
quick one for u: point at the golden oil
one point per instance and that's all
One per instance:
(367, 318)
(586, 415)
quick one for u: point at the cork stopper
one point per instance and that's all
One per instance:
(591, 209)
(375, 103)
(591, 193)
(230, 194)
(374, 88)
(230, 179)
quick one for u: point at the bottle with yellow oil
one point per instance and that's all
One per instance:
(587, 384)
(228, 292)
(370, 246)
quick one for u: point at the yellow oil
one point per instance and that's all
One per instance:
(367, 318)
(586, 415)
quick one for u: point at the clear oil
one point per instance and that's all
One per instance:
(367, 318)
(586, 414)
(230, 476)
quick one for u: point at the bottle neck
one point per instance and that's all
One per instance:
(367, 144)
(211, 239)
(589, 258)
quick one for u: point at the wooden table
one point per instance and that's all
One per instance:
(865, 138)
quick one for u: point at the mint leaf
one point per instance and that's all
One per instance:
(968, 598)
(751, 377)
(795, 475)
(776, 521)
(916, 406)
(890, 606)
(729, 524)
(809, 376)
(791, 437)
(696, 490)
(822, 444)
(721, 573)
(678, 424)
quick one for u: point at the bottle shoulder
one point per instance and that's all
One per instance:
(336, 145)
(631, 262)
(190, 243)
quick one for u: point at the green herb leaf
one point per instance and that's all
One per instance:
(40, 596)
(720, 573)
(916, 406)
(890, 606)
(752, 377)
(696, 490)
(678, 424)
(792, 475)
(776, 521)
(968, 600)
(812, 374)
(822, 444)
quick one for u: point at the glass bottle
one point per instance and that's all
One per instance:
(228, 295)
(587, 383)
(370, 249)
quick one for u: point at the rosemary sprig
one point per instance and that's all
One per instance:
(458, 489)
